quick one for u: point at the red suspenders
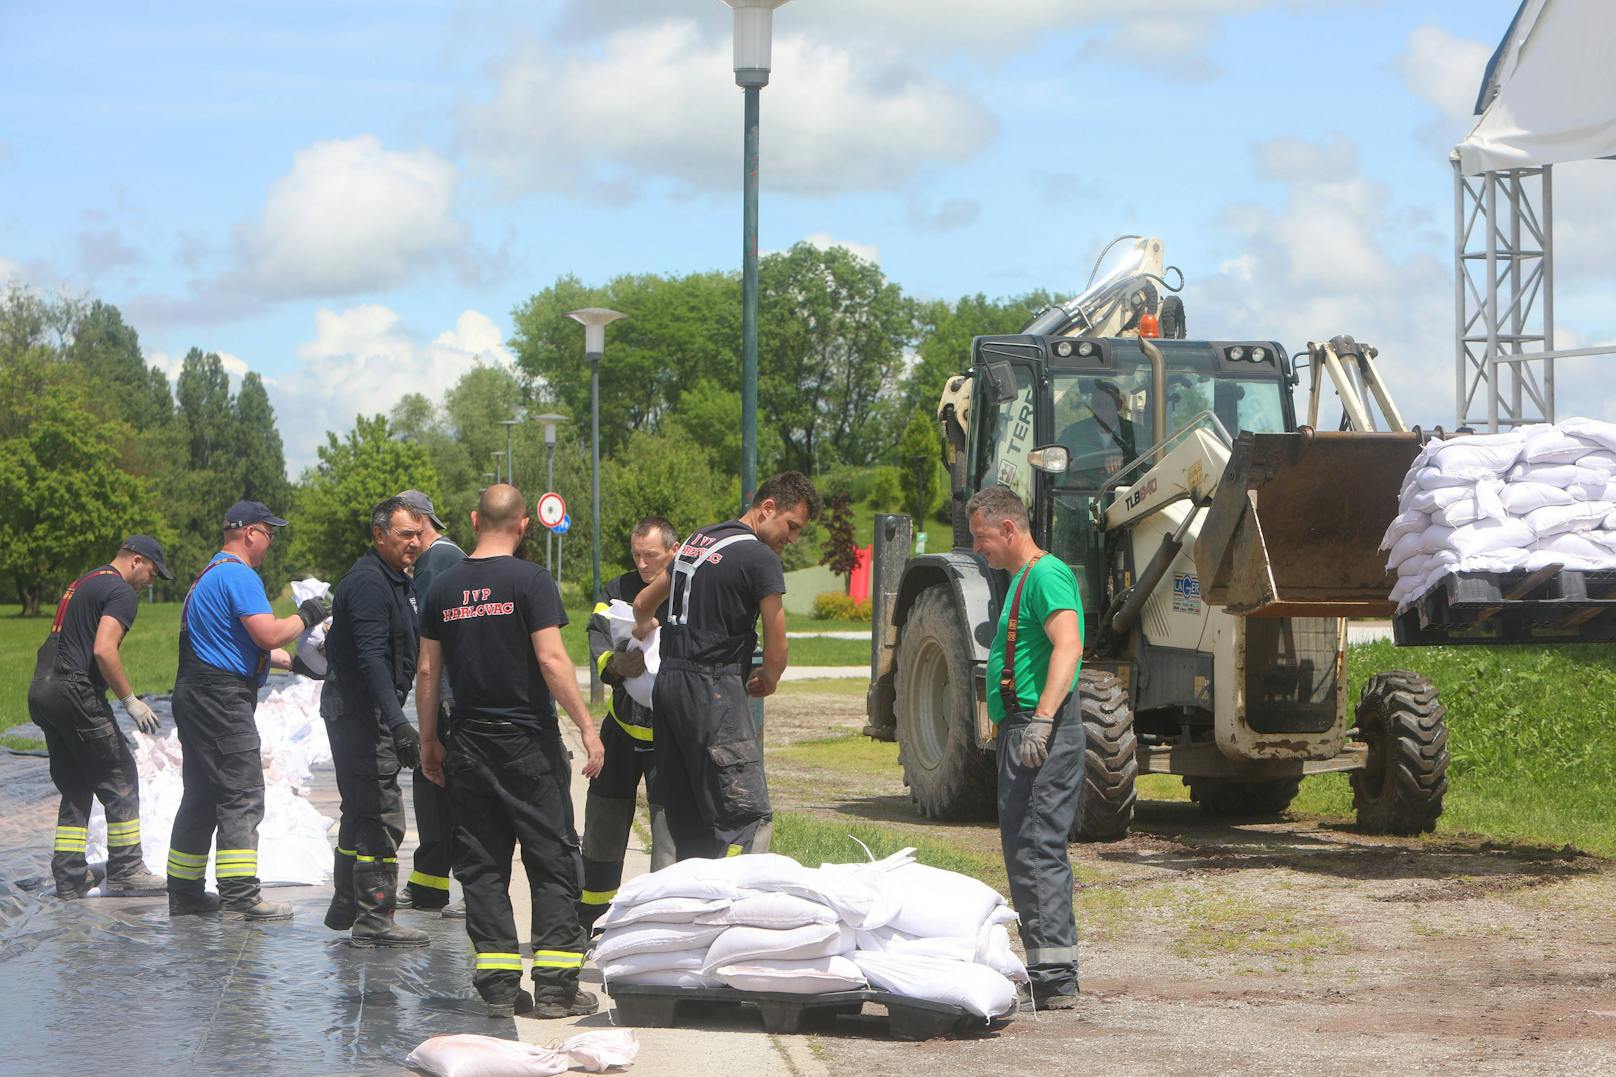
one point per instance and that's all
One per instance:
(67, 596)
(1008, 696)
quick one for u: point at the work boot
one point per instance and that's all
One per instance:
(509, 1007)
(261, 910)
(375, 887)
(75, 893)
(583, 1004)
(139, 881)
(455, 910)
(404, 899)
(340, 916)
(191, 903)
(1027, 998)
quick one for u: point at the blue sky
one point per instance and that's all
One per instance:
(350, 199)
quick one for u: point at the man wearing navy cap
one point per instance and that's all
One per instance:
(89, 758)
(228, 640)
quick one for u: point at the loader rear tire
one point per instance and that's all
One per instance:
(1403, 723)
(1110, 759)
(1222, 798)
(948, 776)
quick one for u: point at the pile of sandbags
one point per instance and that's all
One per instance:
(1524, 499)
(292, 843)
(765, 922)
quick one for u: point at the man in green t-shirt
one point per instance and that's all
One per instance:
(1040, 736)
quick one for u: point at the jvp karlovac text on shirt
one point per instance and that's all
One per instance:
(1050, 587)
(222, 597)
(483, 612)
(103, 594)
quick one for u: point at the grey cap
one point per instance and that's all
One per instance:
(420, 502)
(151, 550)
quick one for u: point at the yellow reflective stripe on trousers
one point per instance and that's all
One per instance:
(345, 852)
(71, 839)
(733, 850)
(191, 859)
(235, 863)
(499, 962)
(436, 882)
(557, 959)
(375, 859)
(188, 866)
(597, 897)
(638, 732)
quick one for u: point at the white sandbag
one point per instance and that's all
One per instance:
(673, 910)
(1578, 516)
(771, 910)
(942, 903)
(740, 945)
(888, 940)
(1417, 565)
(1593, 430)
(1418, 499)
(601, 1049)
(1404, 548)
(1429, 478)
(970, 986)
(650, 938)
(468, 1055)
(859, 893)
(1407, 522)
(724, 877)
(1464, 511)
(812, 976)
(631, 966)
(1487, 535)
(1575, 551)
(1474, 456)
(620, 623)
(311, 644)
(1547, 445)
(1603, 460)
(666, 978)
(1522, 497)
(1436, 537)
(1577, 479)
(993, 950)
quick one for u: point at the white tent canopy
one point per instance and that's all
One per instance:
(1554, 80)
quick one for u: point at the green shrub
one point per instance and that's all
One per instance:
(835, 606)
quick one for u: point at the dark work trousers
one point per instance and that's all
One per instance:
(509, 784)
(1036, 810)
(224, 782)
(709, 760)
(89, 760)
(609, 816)
(434, 855)
(372, 817)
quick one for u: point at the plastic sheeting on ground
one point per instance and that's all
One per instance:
(292, 842)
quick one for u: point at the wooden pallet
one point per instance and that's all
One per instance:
(646, 1006)
(1550, 605)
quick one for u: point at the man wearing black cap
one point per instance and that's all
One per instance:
(89, 758)
(428, 886)
(228, 640)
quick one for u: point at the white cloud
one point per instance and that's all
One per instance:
(10, 270)
(1291, 160)
(951, 214)
(660, 101)
(1169, 48)
(823, 240)
(350, 216)
(1445, 70)
(363, 360)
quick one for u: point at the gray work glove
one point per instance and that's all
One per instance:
(1035, 741)
(407, 745)
(626, 664)
(313, 611)
(136, 708)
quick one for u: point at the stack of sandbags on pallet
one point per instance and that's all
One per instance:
(767, 923)
(1526, 499)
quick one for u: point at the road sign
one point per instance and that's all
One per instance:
(552, 510)
(564, 526)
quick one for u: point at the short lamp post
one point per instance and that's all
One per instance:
(594, 320)
(510, 453)
(549, 422)
(498, 455)
(754, 29)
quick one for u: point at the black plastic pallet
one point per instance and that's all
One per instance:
(1549, 605)
(646, 1006)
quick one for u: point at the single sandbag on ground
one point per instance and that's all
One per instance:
(974, 988)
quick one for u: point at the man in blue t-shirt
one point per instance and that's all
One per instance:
(228, 640)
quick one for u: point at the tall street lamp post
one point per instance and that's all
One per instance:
(550, 421)
(754, 26)
(594, 320)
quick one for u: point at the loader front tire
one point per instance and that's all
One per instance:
(1110, 758)
(948, 776)
(1403, 723)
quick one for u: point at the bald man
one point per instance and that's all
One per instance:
(493, 623)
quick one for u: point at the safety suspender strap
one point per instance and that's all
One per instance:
(67, 596)
(684, 572)
(185, 607)
(1008, 696)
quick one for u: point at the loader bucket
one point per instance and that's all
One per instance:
(1295, 526)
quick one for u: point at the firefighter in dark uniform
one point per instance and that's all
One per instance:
(709, 755)
(67, 699)
(229, 638)
(625, 735)
(493, 622)
(370, 657)
(428, 885)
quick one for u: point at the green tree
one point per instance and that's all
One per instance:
(711, 415)
(918, 451)
(656, 474)
(945, 333)
(832, 333)
(260, 468)
(106, 350)
(65, 501)
(332, 524)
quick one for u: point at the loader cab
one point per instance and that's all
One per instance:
(1092, 396)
